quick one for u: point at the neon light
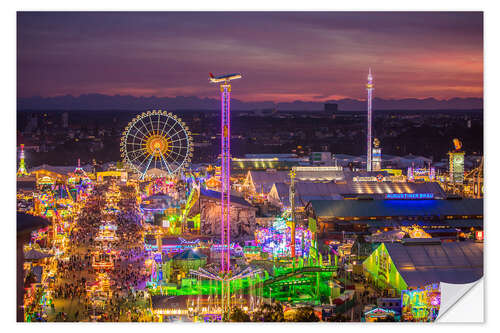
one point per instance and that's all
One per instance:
(225, 89)
(369, 88)
(273, 159)
(379, 311)
(421, 304)
(409, 196)
(377, 158)
(456, 167)
(427, 174)
(184, 241)
(278, 238)
(320, 168)
(22, 167)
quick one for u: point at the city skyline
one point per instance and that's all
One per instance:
(285, 56)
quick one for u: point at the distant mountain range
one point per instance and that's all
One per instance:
(127, 102)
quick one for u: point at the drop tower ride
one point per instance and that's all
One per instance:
(225, 89)
(369, 88)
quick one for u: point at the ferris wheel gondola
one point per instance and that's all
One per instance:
(156, 140)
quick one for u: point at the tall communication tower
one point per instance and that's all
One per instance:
(22, 166)
(225, 89)
(369, 88)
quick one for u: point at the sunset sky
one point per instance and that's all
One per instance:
(309, 56)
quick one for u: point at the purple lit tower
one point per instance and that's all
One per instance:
(225, 88)
(369, 88)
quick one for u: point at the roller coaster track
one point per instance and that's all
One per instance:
(279, 278)
(193, 197)
(476, 172)
(297, 272)
(476, 176)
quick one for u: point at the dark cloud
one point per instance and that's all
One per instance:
(283, 55)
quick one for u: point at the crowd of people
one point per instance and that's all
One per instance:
(111, 205)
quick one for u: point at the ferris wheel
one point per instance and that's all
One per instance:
(156, 140)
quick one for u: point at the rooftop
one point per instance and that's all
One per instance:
(451, 262)
(189, 254)
(217, 196)
(383, 208)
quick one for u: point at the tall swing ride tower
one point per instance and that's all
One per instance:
(369, 88)
(225, 89)
(22, 166)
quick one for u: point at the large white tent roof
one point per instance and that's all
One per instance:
(450, 262)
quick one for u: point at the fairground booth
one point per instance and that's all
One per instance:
(413, 269)
(335, 217)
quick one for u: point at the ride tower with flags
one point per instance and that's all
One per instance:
(22, 165)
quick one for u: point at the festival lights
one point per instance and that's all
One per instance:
(369, 88)
(156, 140)
(277, 239)
(225, 88)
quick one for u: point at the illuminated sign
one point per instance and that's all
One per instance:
(393, 172)
(369, 179)
(421, 304)
(479, 235)
(376, 159)
(322, 168)
(456, 167)
(426, 174)
(409, 196)
(273, 159)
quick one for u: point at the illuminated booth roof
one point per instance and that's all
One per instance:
(62, 170)
(37, 272)
(452, 223)
(396, 208)
(451, 262)
(309, 191)
(26, 183)
(396, 161)
(264, 162)
(162, 303)
(26, 223)
(158, 173)
(304, 192)
(36, 255)
(216, 195)
(156, 202)
(415, 263)
(262, 181)
(189, 254)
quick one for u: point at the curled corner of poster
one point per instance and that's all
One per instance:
(462, 303)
